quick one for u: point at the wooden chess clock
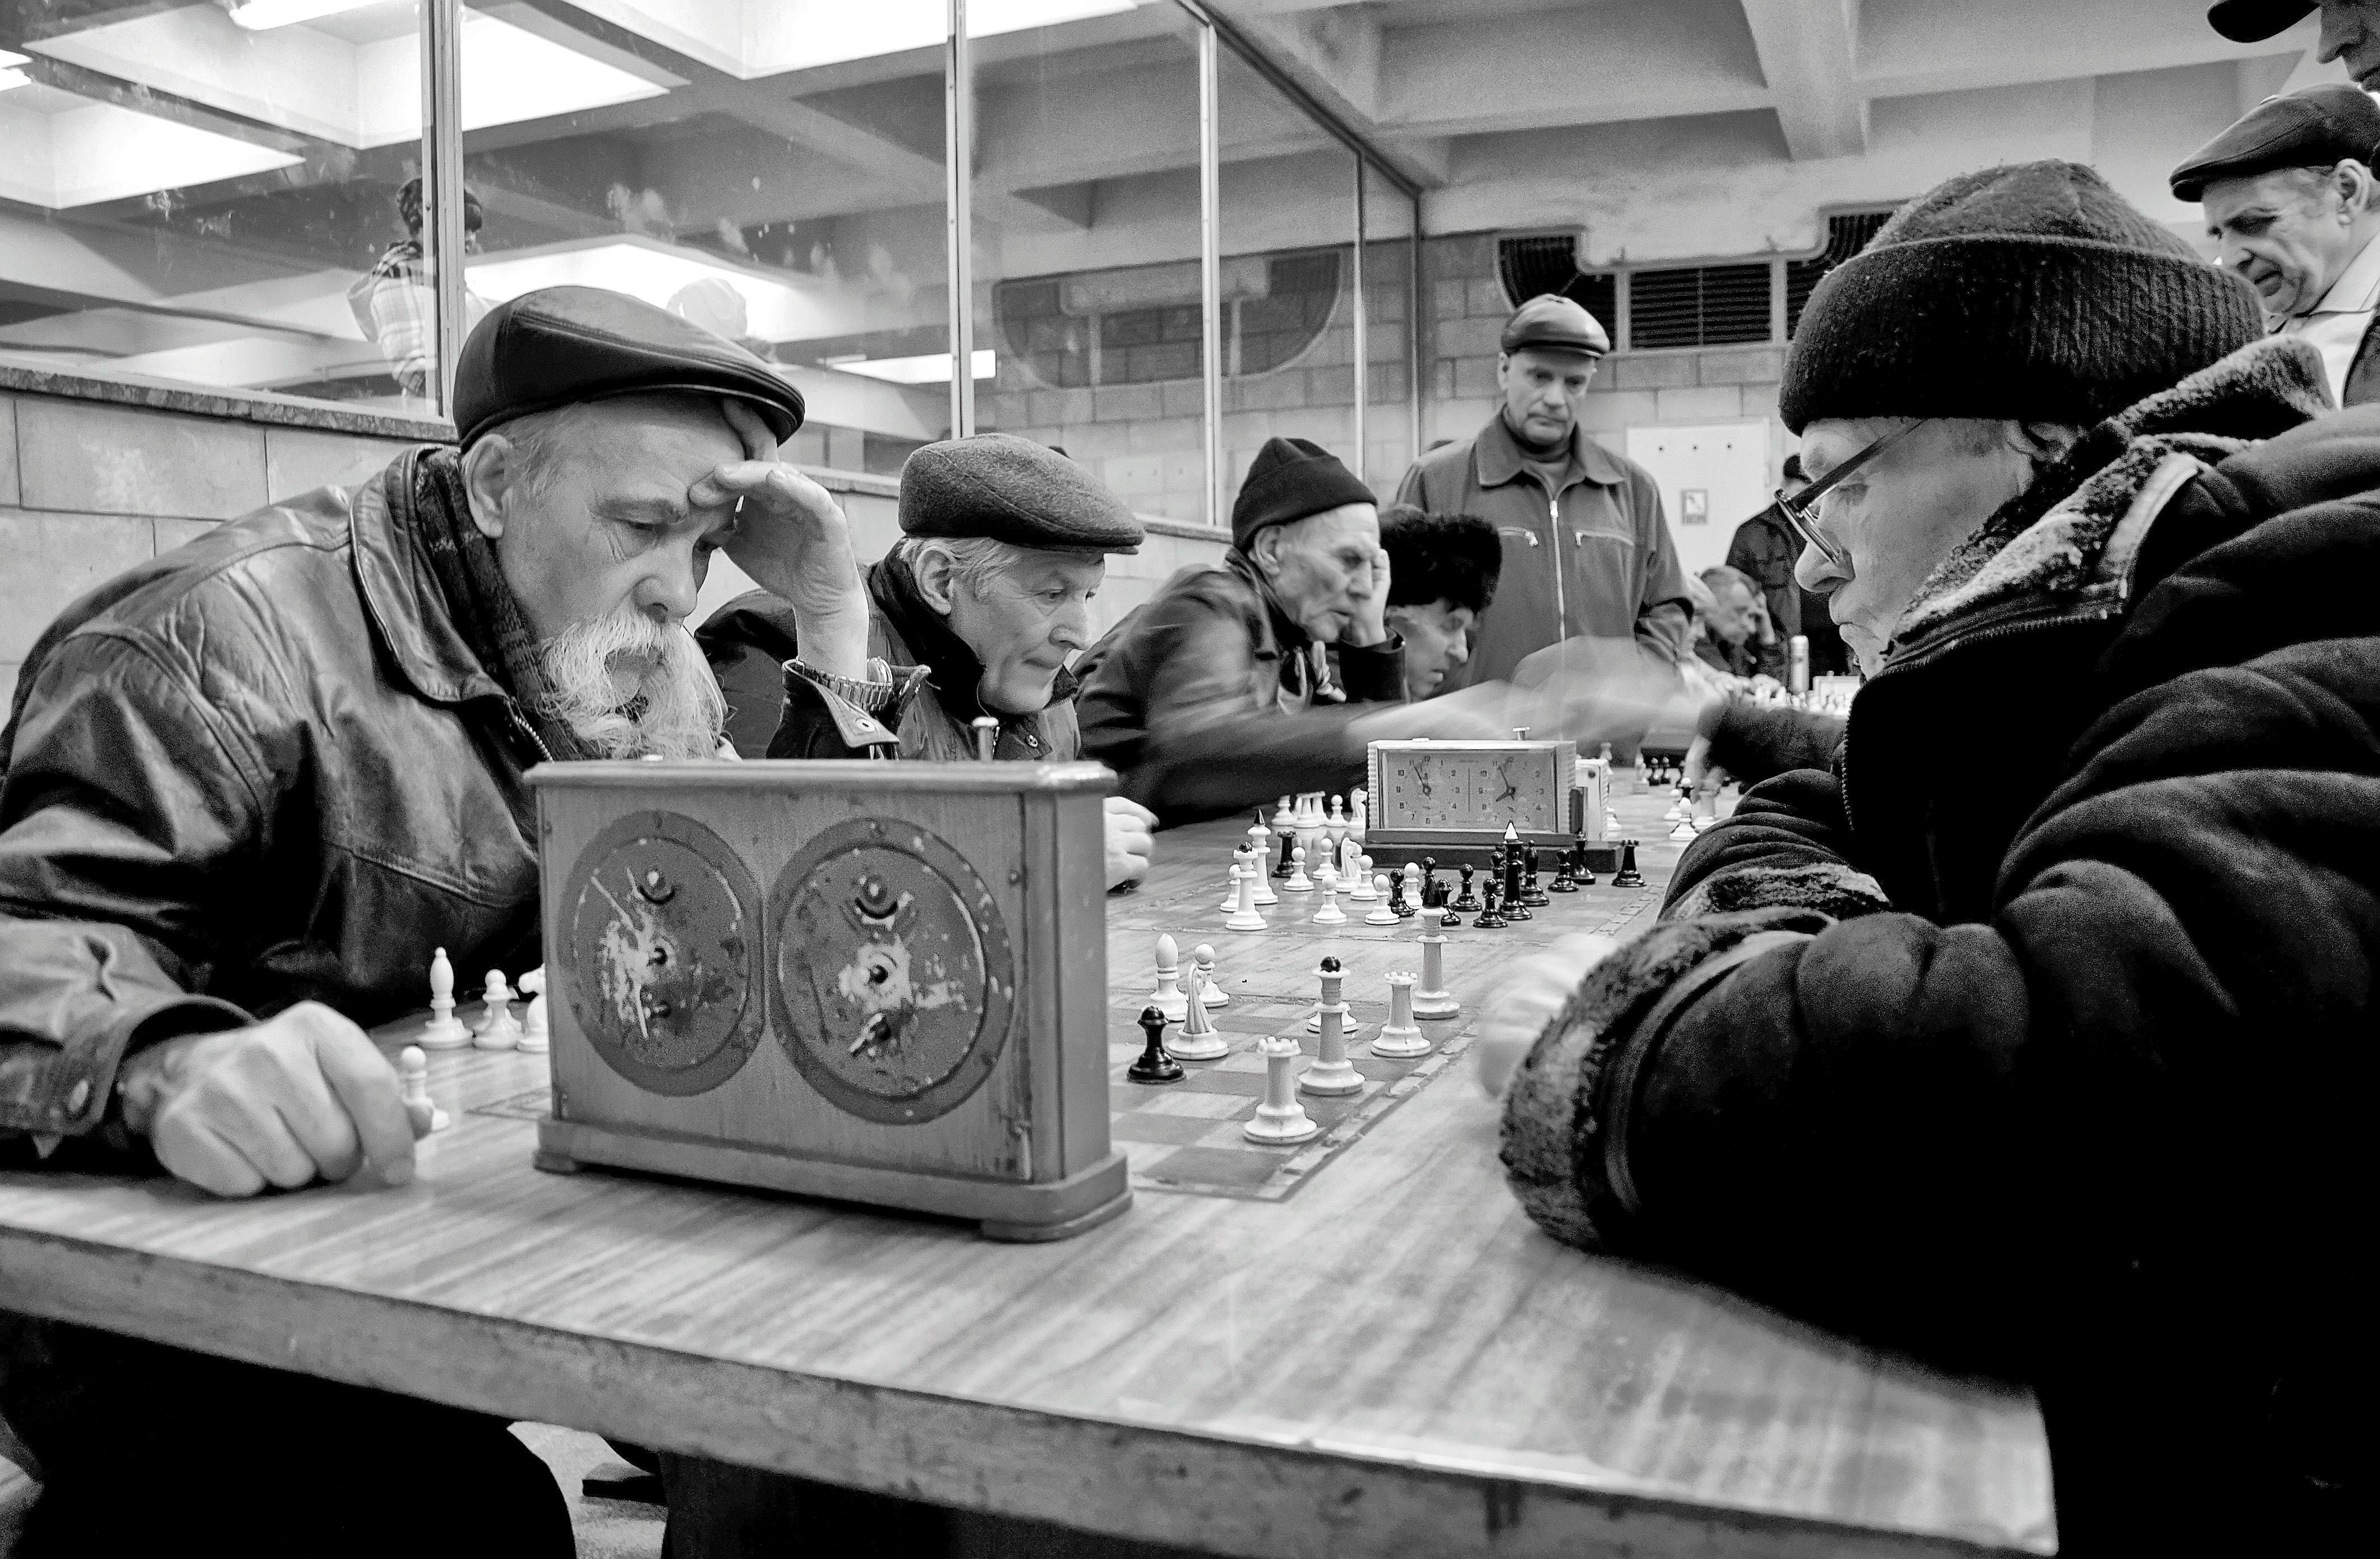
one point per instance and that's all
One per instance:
(879, 982)
(1455, 798)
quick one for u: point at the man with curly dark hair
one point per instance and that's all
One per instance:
(1444, 569)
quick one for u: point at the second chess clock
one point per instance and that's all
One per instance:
(1459, 797)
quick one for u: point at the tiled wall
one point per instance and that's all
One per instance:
(88, 489)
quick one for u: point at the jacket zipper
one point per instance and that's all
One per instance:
(520, 723)
(2024, 624)
(1561, 606)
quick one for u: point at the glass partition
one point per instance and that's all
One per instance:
(1390, 407)
(225, 195)
(776, 176)
(1086, 245)
(1290, 304)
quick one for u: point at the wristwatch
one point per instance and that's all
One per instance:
(873, 694)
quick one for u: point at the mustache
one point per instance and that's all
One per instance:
(673, 709)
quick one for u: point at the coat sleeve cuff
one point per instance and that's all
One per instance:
(820, 724)
(1374, 673)
(70, 1090)
(1556, 1108)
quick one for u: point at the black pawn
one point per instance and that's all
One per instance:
(1398, 900)
(1562, 882)
(1580, 875)
(1154, 1066)
(1488, 919)
(1532, 894)
(1432, 890)
(1468, 902)
(1628, 876)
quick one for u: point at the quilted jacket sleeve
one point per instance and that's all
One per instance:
(1903, 1128)
(130, 812)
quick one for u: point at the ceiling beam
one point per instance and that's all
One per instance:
(1805, 50)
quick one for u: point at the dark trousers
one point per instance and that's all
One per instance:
(151, 1449)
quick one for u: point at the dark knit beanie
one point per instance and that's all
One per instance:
(2032, 291)
(1289, 479)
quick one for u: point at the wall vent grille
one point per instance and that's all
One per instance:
(1847, 233)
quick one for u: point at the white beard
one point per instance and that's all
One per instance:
(599, 672)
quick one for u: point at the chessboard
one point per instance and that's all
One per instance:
(1187, 1137)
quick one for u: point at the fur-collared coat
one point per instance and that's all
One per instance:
(2037, 1036)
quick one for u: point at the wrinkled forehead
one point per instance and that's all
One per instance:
(2285, 194)
(1829, 442)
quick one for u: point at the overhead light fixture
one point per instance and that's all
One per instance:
(10, 77)
(930, 368)
(262, 16)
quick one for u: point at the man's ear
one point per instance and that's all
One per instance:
(937, 578)
(490, 470)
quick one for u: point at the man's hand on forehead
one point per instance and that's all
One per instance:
(794, 542)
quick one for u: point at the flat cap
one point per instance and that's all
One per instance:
(1551, 323)
(559, 345)
(2253, 21)
(2315, 126)
(1011, 490)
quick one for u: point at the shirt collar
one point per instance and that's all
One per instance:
(1498, 458)
(2357, 291)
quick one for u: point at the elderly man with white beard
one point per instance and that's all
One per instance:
(249, 789)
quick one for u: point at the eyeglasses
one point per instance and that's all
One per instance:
(1800, 510)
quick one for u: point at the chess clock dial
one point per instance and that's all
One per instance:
(1462, 788)
(895, 986)
(664, 964)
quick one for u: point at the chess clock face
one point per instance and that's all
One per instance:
(894, 983)
(664, 968)
(1468, 787)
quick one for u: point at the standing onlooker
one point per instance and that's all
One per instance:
(1765, 549)
(396, 301)
(1587, 552)
(2289, 194)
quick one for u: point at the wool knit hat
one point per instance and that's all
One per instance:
(1289, 479)
(2030, 291)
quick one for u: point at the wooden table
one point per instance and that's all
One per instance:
(1392, 1361)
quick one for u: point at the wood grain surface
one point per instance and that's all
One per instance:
(1393, 1362)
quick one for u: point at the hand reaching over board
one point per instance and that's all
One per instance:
(1128, 840)
(299, 1097)
(1528, 994)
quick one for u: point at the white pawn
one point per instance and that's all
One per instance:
(445, 1030)
(1381, 914)
(1611, 824)
(1330, 914)
(535, 1037)
(1168, 998)
(1412, 890)
(1197, 1040)
(1244, 917)
(1210, 994)
(1400, 1036)
(1299, 883)
(413, 1077)
(1683, 831)
(1281, 1119)
(498, 1030)
(1231, 891)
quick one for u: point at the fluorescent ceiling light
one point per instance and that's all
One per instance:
(933, 368)
(10, 79)
(778, 308)
(262, 16)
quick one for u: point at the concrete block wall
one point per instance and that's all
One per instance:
(1147, 441)
(1467, 310)
(87, 490)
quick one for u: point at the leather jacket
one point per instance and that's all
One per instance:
(1210, 699)
(264, 767)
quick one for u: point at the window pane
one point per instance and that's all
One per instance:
(1288, 293)
(772, 171)
(1086, 235)
(215, 195)
(1387, 299)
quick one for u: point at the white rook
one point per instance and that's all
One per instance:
(1434, 999)
(1281, 1119)
(1399, 1036)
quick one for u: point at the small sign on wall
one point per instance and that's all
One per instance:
(1694, 505)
